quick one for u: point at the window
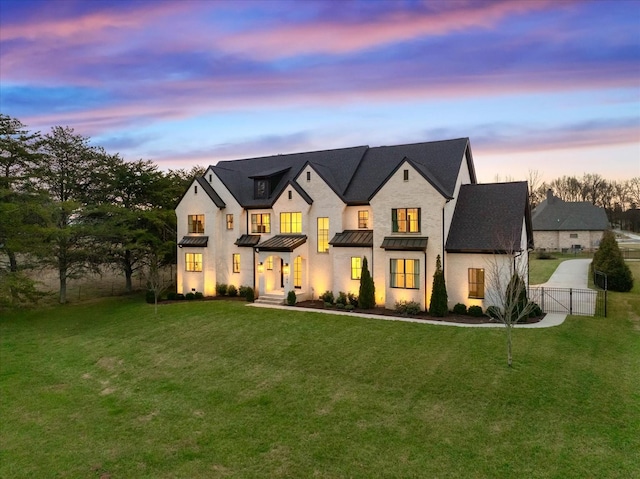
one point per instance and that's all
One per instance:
(573, 235)
(323, 235)
(193, 261)
(406, 175)
(290, 222)
(356, 267)
(297, 272)
(308, 176)
(405, 220)
(196, 223)
(236, 263)
(269, 263)
(209, 178)
(261, 223)
(229, 222)
(290, 194)
(476, 283)
(363, 219)
(195, 190)
(405, 273)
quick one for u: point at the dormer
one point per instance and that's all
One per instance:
(266, 182)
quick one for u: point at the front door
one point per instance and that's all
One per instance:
(281, 273)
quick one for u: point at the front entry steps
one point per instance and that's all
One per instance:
(270, 298)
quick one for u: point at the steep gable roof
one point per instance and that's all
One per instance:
(489, 217)
(355, 173)
(554, 214)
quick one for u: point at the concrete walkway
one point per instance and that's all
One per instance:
(573, 273)
(552, 319)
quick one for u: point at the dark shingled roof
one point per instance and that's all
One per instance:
(282, 243)
(196, 241)
(405, 243)
(554, 214)
(211, 192)
(355, 174)
(248, 240)
(353, 238)
(489, 218)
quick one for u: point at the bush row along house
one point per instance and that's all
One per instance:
(560, 225)
(305, 221)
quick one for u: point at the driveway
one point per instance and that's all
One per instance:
(567, 290)
(573, 273)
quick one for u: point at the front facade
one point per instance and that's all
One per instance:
(305, 222)
(564, 225)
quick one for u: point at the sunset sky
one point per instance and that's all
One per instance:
(552, 86)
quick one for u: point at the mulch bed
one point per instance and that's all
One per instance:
(451, 318)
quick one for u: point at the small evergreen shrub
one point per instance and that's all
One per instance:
(342, 298)
(221, 289)
(349, 307)
(493, 312)
(536, 312)
(460, 309)
(291, 298)
(327, 297)
(475, 311)
(190, 296)
(232, 291)
(150, 297)
(242, 291)
(543, 255)
(340, 306)
(608, 259)
(199, 295)
(407, 307)
(250, 295)
(171, 296)
(328, 305)
(180, 296)
(439, 299)
(367, 292)
(353, 300)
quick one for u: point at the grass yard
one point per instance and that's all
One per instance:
(218, 389)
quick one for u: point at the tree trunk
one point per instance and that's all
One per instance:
(509, 355)
(63, 285)
(13, 263)
(128, 271)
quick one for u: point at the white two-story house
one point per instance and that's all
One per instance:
(305, 222)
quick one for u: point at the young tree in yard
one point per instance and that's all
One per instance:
(367, 293)
(438, 305)
(506, 290)
(608, 260)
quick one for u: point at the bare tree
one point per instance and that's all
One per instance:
(507, 289)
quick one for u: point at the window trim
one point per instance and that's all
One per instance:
(191, 263)
(363, 219)
(192, 224)
(476, 292)
(230, 221)
(408, 221)
(262, 227)
(297, 272)
(395, 275)
(322, 235)
(287, 223)
(357, 268)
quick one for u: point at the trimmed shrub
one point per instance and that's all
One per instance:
(340, 306)
(292, 298)
(221, 289)
(199, 295)
(543, 255)
(438, 304)
(171, 296)
(367, 293)
(460, 309)
(608, 259)
(180, 297)
(190, 296)
(342, 298)
(536, 312)
(327, 297)
(475, 311)
(250, 295)
(407, 307)
(353, 300)
(493, 312)
(517, 292)
(150, 297)
(232, 291)
(349, 307)
(242, 291)
(328, 305)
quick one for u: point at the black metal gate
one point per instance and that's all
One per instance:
(580, 302)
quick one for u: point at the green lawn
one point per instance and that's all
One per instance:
(219, 389)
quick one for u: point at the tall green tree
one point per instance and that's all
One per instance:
(438, 306)
(367, 293)
(608, 260)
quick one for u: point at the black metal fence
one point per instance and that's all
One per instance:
(580, 302)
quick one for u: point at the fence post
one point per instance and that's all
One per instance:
(605, 303)
(542, 298)
(570, 300)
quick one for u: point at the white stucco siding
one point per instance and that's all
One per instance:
(464, 177)
(350, 217)
(392, 295)
(417, 192)
(457, 278)
(342, 269)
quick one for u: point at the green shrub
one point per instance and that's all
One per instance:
(150, 297)
(353, 300)
(342, 298)
(328, 305)
(171, 296)
(250, 295)
(543, 255)
(199, 295)
(367, 293)
(232, 291)
(407, 307)
(190, 296)
(340, 306)
(327, 297)
(242, 291)
(475, 311)
(221, 289)
(292, 298)
(536, 312)
(460, 309)
(180, 296)
(516, 294)
(349, 307)
(493, 312)
(438, 304)
(608, 259)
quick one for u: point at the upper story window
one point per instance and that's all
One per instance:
(363, 219)
(476, 283)
(405, 273)
(289, 194)
(323, 235)
(405, 220)
(308, 176)
(405, 175)
(229, 222)
(261, 223)
(261, 188)
(291, 222)
(196, 223)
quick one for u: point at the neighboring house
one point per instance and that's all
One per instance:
(565, 225)
(305, 221)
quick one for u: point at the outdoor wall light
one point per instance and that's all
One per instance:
(260, 267)
(285, 268)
